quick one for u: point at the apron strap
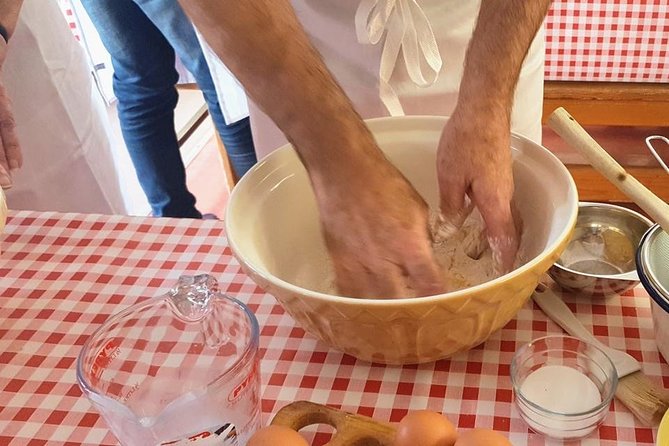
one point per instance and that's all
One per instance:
(407, 29)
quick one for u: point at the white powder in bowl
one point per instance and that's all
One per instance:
(454, 255)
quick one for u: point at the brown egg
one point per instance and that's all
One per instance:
(482, 437)
(277, 436)
(425, 428)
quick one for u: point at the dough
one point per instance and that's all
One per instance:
(464, 256)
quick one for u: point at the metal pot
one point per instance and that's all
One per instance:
(652, 261)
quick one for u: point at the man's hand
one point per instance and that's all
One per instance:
(10, 151)
(474, 159)
(474, 168)
(376, 229)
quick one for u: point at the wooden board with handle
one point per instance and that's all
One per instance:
(351, 429)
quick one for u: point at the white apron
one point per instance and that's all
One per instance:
(331, 26)
(68, 165)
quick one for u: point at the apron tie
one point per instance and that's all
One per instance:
(407, 29)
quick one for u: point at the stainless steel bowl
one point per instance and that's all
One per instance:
(652, 259)
(600, 257)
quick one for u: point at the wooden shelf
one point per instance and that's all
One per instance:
(592, 186)
(610, 103)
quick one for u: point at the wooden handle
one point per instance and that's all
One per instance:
(570, 130)
(352, 429)
(557, 310)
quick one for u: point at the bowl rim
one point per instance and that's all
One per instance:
(403, 301)
(653, 287)
(631, 275)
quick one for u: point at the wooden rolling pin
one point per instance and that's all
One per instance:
(571, 131)
(351, 429)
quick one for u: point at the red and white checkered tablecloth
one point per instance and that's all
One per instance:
(608, 40)
(61, 275)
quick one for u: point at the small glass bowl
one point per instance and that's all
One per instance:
(563, 386)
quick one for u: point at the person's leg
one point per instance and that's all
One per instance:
(168, 16)
(238, 141)
(144, 83)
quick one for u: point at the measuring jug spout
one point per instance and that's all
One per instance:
(191, 297)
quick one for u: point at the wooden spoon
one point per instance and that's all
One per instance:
(571, 131)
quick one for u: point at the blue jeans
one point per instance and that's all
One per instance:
(142, 37)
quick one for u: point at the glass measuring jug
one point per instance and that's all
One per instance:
(181, 369)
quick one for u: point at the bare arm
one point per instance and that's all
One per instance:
(503, 34)
(9, 14)
(477, 138)
(10, 151)
(374, 222)
(263, 43)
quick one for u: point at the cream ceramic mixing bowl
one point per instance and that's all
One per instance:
(273, 229)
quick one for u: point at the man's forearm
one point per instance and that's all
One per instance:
(9, 14)
(503, 35)
(264, 45)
